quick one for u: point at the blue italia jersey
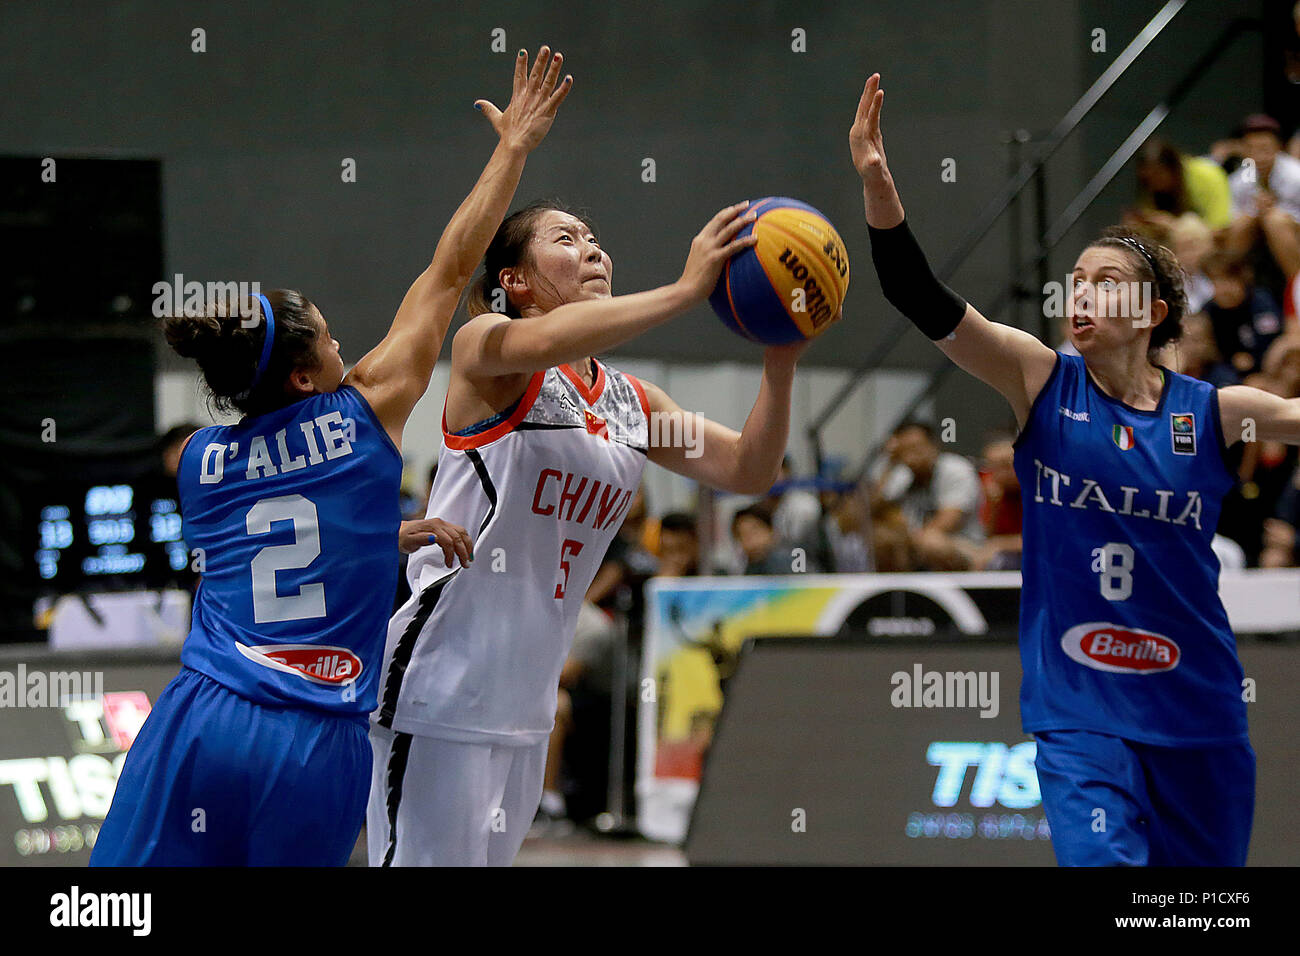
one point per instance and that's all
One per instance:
(1121, 628)
(296, 515)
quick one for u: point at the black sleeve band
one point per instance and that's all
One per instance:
(910, 285)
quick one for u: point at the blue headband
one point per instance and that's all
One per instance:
(266, 343)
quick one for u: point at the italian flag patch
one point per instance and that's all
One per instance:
(1123, 436)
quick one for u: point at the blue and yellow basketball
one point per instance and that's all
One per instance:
(790, 285)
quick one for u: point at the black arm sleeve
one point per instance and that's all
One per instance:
(910, 285)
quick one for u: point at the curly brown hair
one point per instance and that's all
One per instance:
(227, 348)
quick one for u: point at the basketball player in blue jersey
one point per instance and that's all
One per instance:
(543, 450)
(256, 753)
(1132, 686)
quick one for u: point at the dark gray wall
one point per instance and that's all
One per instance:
(252, 132)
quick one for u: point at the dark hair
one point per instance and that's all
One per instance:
(756, 511)
(1159, 152)
(509, 250)
(227, 348)
(1156, 263)
(176, 434)
(678, 521)
(919, 425)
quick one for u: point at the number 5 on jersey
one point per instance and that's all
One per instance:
(569, 549)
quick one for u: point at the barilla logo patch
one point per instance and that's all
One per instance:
(318, 663)
(1120, 650)
(596, 425)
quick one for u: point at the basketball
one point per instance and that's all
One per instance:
(791, 284)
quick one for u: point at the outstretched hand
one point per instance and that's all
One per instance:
(713, 246)
(533, 103)
(865, 141)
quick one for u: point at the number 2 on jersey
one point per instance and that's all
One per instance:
(309, 602)
(1114, 563)
(570, 548)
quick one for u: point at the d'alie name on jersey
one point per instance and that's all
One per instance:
(274, 456)
(1091, 495)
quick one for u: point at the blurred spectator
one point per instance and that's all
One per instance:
(679, 545)
(764, 552)
(892, 544)
(170, 444)
(846, 532)
(795, 511)
(1266, 205)
(1191, 240)
(1264, 468)
(1270, 171)
(1282, 364)
(576, 780)
(1196, 354)
(937, 494)
(1279, 532)
(628, 564)
(169, 448)
(1245, 317)
(1000, 511)
(1171, 185)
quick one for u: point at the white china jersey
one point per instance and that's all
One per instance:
(476, 653)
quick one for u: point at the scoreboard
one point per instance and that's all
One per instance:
(109, 536)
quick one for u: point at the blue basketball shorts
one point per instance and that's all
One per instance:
(1115, 802)
(214, 779)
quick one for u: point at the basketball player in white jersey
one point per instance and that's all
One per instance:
(543, 449)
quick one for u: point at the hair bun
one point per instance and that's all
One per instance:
(192, 336)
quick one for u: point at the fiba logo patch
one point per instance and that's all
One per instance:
(1183, 430)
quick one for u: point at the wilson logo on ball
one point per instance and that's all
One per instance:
(790, 285)
(1120, 650)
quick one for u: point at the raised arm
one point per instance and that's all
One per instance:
(494, 345)
(1252, 414)
(395, 374)
(747, 461)
(1010, 360)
